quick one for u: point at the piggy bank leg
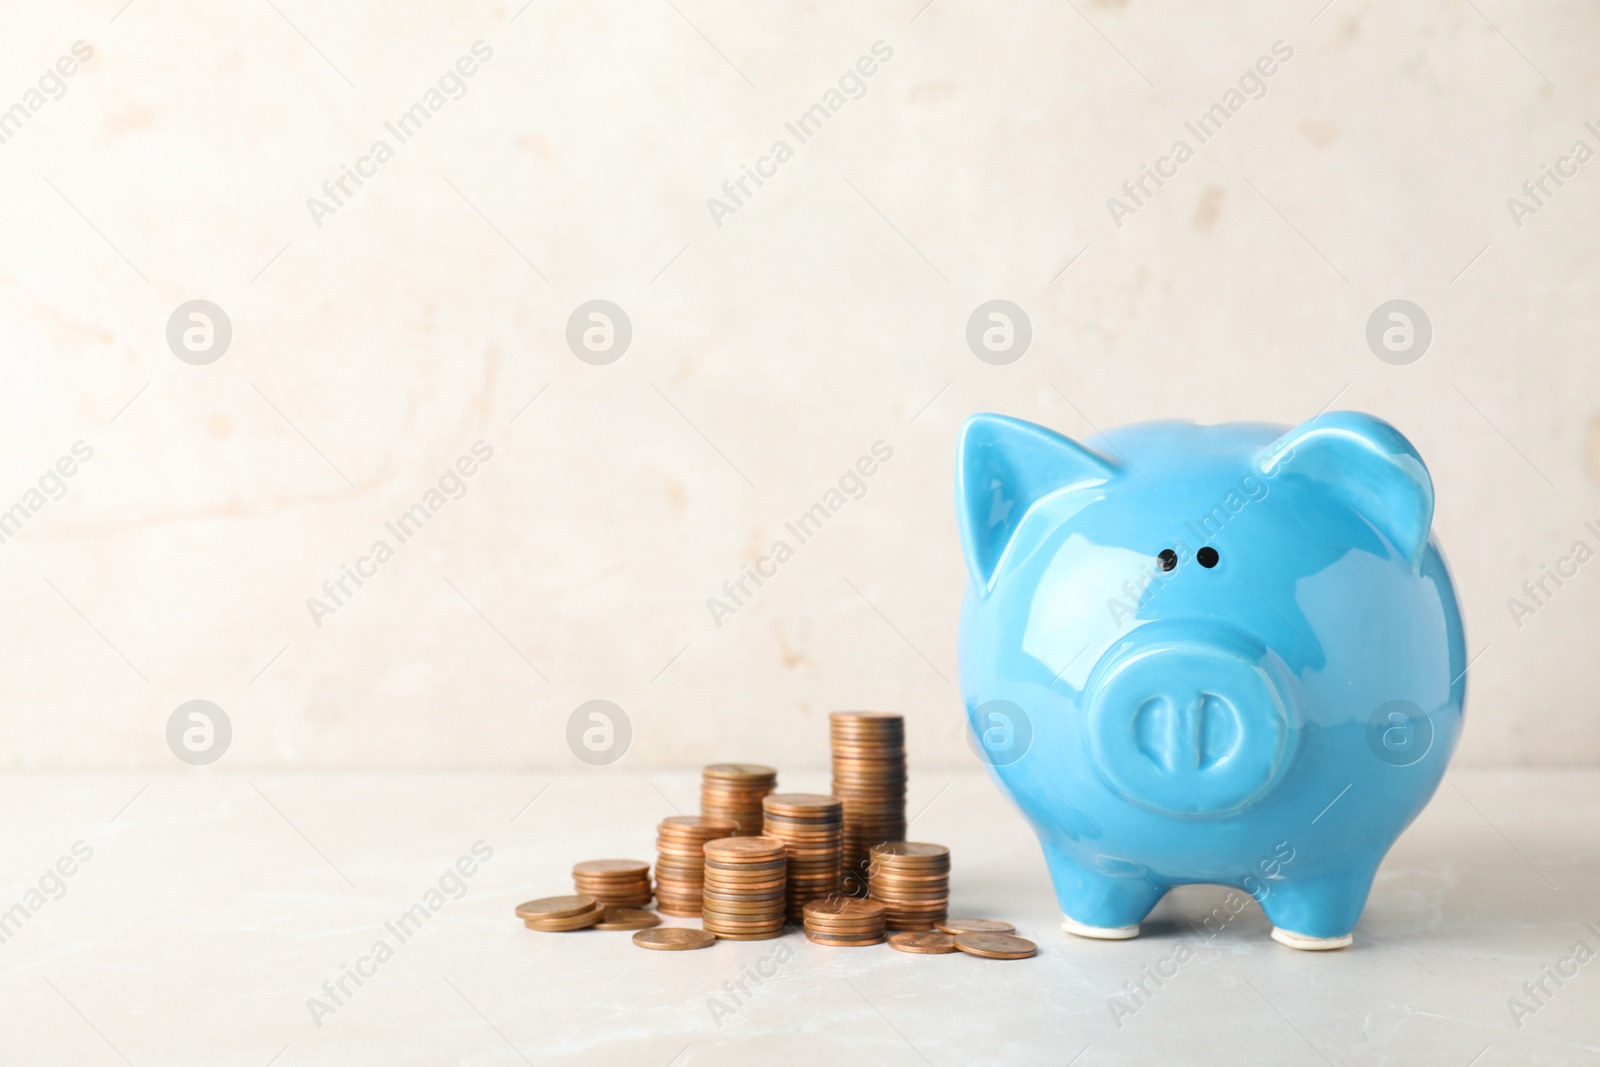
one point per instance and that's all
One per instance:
(1096, 904)
(1314, 914)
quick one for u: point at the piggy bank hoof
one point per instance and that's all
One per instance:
(1100, 933)
(1309, 944)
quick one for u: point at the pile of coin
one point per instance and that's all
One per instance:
(869, 777)
(624, 883)
(912, 881)
(744, 888)
(844, 923)
(681, 861)
(733, 792)
(811, 827)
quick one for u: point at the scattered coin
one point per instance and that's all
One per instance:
(996, 946)
(674, 939)
(923, 942)
(975, 926)
(628, 919)
(555, 907)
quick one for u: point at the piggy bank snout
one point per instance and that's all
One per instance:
(1189, 721)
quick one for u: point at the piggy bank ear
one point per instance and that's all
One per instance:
(1366, 463)
(1003, 467)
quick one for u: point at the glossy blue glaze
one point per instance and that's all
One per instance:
(1271, 722)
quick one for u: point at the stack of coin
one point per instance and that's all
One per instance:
(560, 914)
(912, 881)
(681, 861)
(624, 883)
(869, 776)
(845, 923)
(743, 898)
(811, 827)
(733, 791)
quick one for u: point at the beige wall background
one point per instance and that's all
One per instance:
(768, 353)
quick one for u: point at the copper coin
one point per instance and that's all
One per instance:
(555, 907)
(692, 824)
(916, 849)
(739, 923)
(996, 946)
(740, 890)
(581, 921)
(744, 851)
(628, 919)
(673, 938)
(737, 771)
(845, 909)
(856, 930)
(923, 943)
(744, 909)
(611, 867)
(813, 805)
(977, 926)
(738, 866)
(766, 936)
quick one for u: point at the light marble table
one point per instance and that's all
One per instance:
(213, 906)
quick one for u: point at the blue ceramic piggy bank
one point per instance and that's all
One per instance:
(1208, 654)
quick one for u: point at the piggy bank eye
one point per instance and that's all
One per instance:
(1167, 558)
(1207, 557)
